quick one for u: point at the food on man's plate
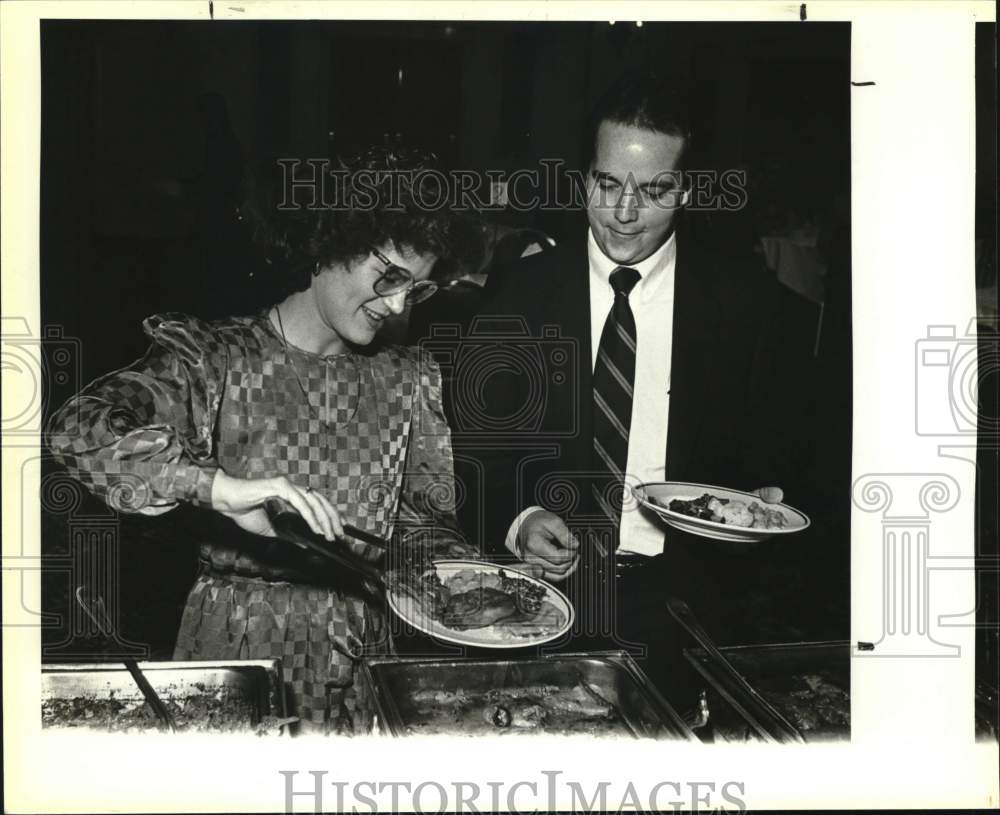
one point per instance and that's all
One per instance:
(512, 607)
(544, 709)
(728, 511)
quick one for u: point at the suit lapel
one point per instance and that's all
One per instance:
(570, 307)
(694, 352)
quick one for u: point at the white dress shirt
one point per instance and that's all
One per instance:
(652, 303)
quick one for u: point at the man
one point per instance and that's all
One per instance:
(668, 344)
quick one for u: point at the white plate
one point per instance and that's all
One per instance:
(664, 492)
(490, 636)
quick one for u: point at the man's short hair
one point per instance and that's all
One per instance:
(643, 100)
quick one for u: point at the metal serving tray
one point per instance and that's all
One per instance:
(641, 712)
(771, 670)
(761, 665)
(255, 681)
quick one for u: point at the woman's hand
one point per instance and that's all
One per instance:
(242, 500)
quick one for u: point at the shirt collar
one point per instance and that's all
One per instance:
(649, 269)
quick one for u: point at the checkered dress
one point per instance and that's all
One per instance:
(364, 427)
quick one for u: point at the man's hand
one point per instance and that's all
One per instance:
(242, 500)
(770, 495)
(545, 542)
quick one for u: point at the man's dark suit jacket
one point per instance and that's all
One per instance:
(526, 365)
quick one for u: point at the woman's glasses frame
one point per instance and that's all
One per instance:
(395, 279)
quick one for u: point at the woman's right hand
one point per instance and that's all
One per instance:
(242, 499)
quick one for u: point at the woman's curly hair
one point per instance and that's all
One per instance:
(383, 195)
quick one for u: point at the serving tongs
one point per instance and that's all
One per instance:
(291, 526)
(94, 608)
(775, 727)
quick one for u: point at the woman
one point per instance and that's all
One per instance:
(298, 402)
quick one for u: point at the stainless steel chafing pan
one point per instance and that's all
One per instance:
(775, 669)
(400, 689)
(778, 674)
(253, 685)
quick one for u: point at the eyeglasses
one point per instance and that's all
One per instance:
(396, 279)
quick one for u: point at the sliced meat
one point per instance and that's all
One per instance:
(478, 608)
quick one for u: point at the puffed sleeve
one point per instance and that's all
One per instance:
(140, 438)
(427, 501)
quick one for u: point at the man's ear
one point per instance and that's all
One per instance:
(681, 179)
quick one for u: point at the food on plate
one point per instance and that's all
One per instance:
(477, 608)
(766, 518)
(528, 594)
(511, 607)
(728, 511)
(547, 709)
(546, 620)
(422, 586)
(467, 579)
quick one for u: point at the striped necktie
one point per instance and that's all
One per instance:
(614, 375)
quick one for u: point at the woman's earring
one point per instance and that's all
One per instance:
(316, 270)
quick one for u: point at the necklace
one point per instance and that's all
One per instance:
(326, 397)
(370, 487)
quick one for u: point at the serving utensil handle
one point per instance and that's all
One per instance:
(291, 526)
(681, 612)
(98, 614)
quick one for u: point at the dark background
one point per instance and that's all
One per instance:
(988, 458)
(149, 128)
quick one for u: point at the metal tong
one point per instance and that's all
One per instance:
(292, 527)
(786, 731)
(98, 613)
